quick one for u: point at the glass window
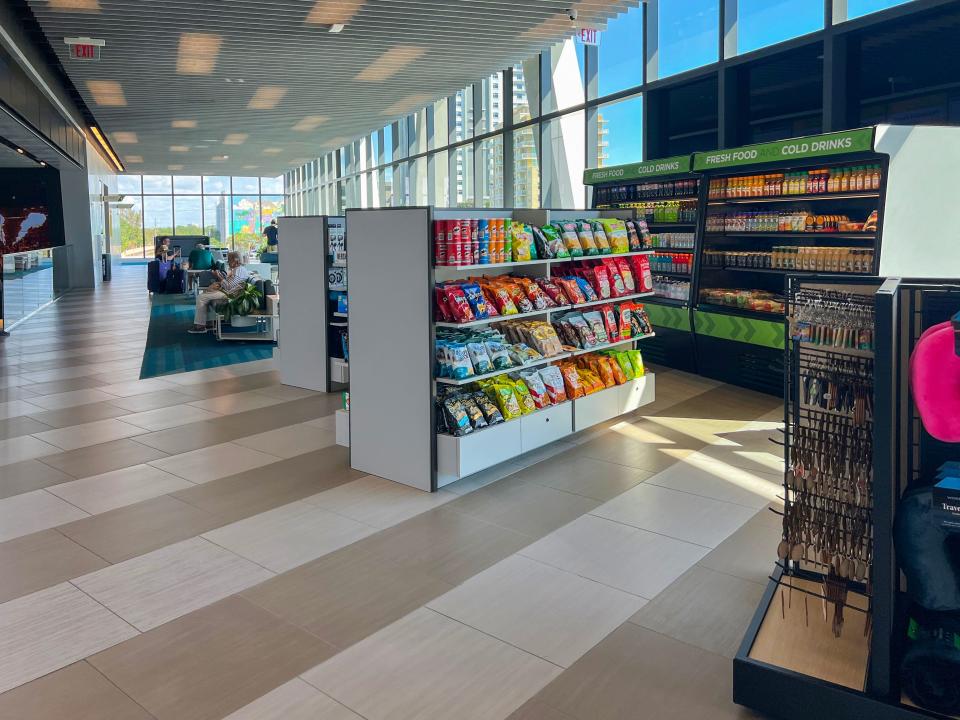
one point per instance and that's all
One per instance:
(563, 160)
(245, 222)
(761, 22)
(463, 175)
(526, 90)
(401, 185)
(620, 132)
(688, 36)
(620, 64)
(186, 184)
(441, 130)
(419, 182)
(386, 187)
(156, 184)
(129, 184)
(526, 167)
(131, 228)
(157, 219)
(859, 8)
(491, 110)
(463, 122)
(418, 132)
(388, 144)
(441, 179)
(246, 185)
(271, 185)
(490, 167)
(187, 215)
(216, 219)
(374, 147)
(216, 184)
(567, 74)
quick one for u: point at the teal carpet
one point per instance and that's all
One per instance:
(171, 349)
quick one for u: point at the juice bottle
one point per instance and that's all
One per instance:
(845, 180)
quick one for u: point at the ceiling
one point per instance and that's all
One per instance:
(253, 87)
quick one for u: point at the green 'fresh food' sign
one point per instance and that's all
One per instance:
(637, 171)
(838, 143)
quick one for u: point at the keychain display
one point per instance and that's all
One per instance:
(842, 386)
(832, 319)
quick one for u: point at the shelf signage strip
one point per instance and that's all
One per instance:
(637, 171)
(837, 143)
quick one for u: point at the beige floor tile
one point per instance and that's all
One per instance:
(710, 477)
(679, 515)
(27, 447)
(750, 553)
(448, 545)
(34, 511)
(77, 692)
(326, 422)
(347, 595)
(288, 536)
(704, 608)
(16, 408)
(633, 669)
(29, 475)
(168, 583)
(621, 556)
(94, 433)
(237, 402)
(291, 440)
(72, 398)
(117, 488)
(150, 401)
(378, 502)
(41, 560)
(212, 463)
(138, 529)
(169, 417)
(20, 426)
(78, 414)
(185, 438)
(52, 375)
(63, 386)
(98, 459)
(622, 449)
(526, 508)
(550, 613)
(138, 387)
(428, 666)
(50, 629)
(536, 710)
(210, 663)
(286, 392)
(483, 478)
(294, 700)
(580, 475)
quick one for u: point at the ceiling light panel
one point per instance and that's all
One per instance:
(333, 12)
(407, 104)
(179, 148)
(272, 151)
(197, 53)
(107, 93)
(133, 158)
(390, 63)
(125, 138)
(235, 139)
(267, 97)
(174, 167)
(183, 124)
(75, 5)
(310, 122)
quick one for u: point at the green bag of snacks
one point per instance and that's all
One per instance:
(527, 404)
(623, 360)
(505, 398)
(636, 359)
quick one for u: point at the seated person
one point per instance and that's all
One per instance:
(226, 285)
(164, 252)
(201, 258)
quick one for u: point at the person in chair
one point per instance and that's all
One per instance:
(226, 285)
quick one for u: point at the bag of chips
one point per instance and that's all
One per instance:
(536, 295)
(641, 273)
(477, 302)
(522, 354)
(491, 412)
(610, 323)
(571, 380)
(636, 359)
(479, 357)
(585, 235)
(499, 355)
(553, 291)
(627, 274)
(553, 381)
(506, 400)
(597, 327)
(458, 422)
(584, 332)
(501, 299)
(477, 420)
(634, 240)
(520, 389)
(460, 309)
(443, 309)
(590, 382)
(639, 321)
(619, 376)
(523, 248)
(568, 233)
(626, 365)
(553, 243)
(460, 365)
(538, 391)
(544, 338)
(600, 237)
(519, 297)
(589, 294)
(571, 288)
(617, 286)
(616, 232)
(599, 280)
(624, 325)
(605, 371)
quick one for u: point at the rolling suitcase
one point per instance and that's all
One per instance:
(176, 281)
(154, 283)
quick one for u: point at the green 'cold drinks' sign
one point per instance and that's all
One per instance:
(838, 143)
(637, 171)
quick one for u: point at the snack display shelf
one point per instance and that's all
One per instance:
(775, 235)
(668, 225)
(542, 261)
(515, 368)
(674, 302)
(671, 274)
(741, 312)
(794, 198)
(339, 314)
(779, 271)
(337, 323)
(607, 346)
(548, 311)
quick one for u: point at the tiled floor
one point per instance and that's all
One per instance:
(195, 547)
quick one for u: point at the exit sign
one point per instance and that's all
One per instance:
(588, 36)
(84, 49)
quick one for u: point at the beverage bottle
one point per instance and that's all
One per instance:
(859, 179)
(845, 180)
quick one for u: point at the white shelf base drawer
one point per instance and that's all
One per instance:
(339, 371)
(343, 427)
(545, 426)
(596, 408)
(458, 457)
(637, 393)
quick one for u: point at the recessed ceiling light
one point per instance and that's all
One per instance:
(184, 124)
(272, 151)
(235, 139)
(20, 150)
(310, 122)
(42, 164)
(197, 53)
(133, 158)
(333, 12)
(226, 157)
(390, 63)
(267, 97)
(125, 138)
(107, 93)
(179, 148)
(76, 5)
(250, 167)
(174, 167)
(240, 80)
(337, 27)
(228, 80)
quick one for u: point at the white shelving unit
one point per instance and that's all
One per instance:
(392, 414)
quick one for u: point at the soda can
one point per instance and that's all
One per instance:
(483, 240)
(439, 242)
